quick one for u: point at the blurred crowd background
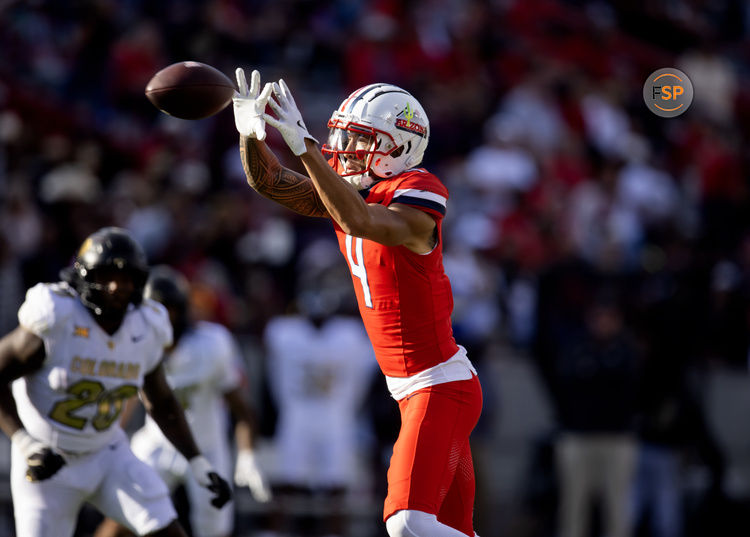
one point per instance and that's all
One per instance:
(599, 255)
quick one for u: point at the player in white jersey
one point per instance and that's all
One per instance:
(320, 368)
(83, 346)
(204, 370)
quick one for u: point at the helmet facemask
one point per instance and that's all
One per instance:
(96, 290)
(357, 150)
(377, 133)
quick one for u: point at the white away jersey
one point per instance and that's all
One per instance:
(203, 366)
(320, 377)
(74, 401)
(312, 368)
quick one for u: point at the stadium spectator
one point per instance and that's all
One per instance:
(594, 389)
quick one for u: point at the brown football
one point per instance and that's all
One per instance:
(190, 90)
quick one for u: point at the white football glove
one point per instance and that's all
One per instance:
(288, 119)
(249, 105)
(248, 474)
(207, 477)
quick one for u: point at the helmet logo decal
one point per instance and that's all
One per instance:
(85, 246)
(408, 114)
(404, 122)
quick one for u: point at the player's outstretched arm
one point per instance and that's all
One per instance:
(269, 178)
(393, 225)
(247, 471)
(162, 405)
(22, 353)
(264, 172)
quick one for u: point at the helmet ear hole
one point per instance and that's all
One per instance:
(397, 152)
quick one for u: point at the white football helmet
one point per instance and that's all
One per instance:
(379, 131)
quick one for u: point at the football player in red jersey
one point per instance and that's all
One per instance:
(387, 214)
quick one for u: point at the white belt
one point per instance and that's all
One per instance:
(457, 367)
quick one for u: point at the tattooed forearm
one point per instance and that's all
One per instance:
(268, 177)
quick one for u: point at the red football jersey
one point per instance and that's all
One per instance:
(405, 298)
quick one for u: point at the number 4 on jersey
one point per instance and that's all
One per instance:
(358, 268)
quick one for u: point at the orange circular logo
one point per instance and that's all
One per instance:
(668, 92)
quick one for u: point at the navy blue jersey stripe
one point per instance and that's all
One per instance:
(420, 202)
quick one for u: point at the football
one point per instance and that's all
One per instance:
(190, 90)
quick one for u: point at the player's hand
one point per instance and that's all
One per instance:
(249, 105)
(43, 465)
(42, 461)
(207, 477)
(288, 120)
(248, 474)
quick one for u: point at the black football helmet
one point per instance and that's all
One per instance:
(170, 288)
(110, 250)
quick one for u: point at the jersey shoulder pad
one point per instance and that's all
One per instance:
(46, 305)
(157, 318)
(225, 354)
(420, 189)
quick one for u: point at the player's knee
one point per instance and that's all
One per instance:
(410, 523)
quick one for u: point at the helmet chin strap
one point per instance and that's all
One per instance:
(99, 313)
(96, 310)
(109, 316)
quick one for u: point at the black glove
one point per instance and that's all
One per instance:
(221, 489)
(43, 465)
(43, 462)
(207, 477)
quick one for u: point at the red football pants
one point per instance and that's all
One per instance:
(431, 468)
